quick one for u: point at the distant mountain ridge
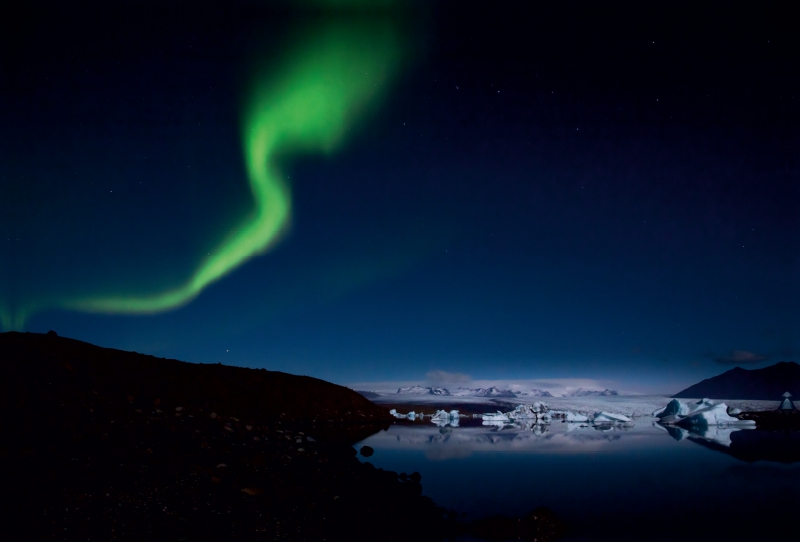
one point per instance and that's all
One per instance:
(493, 391)
(767, 384)
(419, 390)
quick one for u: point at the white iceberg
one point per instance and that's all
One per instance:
(699, 416)
(442, 418)
(524, 412)
(496, 417)
(702, 418)
(604, 417)
(569, 416)
(410, 416)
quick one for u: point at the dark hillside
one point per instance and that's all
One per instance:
(766, 384)
(34, 364)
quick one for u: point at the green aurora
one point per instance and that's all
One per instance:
(303, 104)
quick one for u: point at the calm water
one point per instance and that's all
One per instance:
(636, 483)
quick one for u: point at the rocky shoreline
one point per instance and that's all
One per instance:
(111, 445)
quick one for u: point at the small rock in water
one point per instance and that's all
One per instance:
(367, 451)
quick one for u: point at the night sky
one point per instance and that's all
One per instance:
(588, 191)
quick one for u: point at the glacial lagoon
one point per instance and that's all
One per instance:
(614, 482)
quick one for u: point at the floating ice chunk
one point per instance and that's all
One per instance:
(498, 417)
(523, 412)
(734, 411)
(442, 418)
(701, 419)
(410, 416)
(609, 417)
(673, 408)
(575, 417)
(700, 405)
(569, 416)
(540, 407)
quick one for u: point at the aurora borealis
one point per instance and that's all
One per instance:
(368, 191)
(302, 105)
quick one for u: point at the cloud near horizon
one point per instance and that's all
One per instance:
(739, 356)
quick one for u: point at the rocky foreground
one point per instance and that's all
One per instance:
(102, 444)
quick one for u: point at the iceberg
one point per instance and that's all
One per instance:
(569, 416)
(604, 417)
(673, 408)
(524, 412)
(699, 416)
(496, 417)
(410, 416)
(442, 418)
(702, 418)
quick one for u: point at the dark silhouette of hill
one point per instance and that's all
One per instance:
(36, 362)
(767, 384)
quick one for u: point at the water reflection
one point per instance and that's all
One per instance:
(591, 476)
(446, 440)
(751, 446)
(719, 435)
(744, 443)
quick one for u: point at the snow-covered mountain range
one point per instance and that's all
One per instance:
(493, 391)
(419, 390)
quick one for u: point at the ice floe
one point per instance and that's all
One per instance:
(410, 416)
(699, 416)
(609, 417)
(443, 418)
(539, 413)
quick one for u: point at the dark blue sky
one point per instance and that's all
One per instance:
(594, 192)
